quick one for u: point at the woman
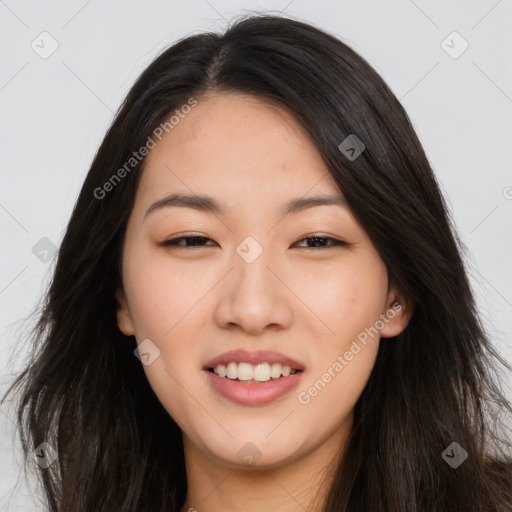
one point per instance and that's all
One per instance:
(260, 301)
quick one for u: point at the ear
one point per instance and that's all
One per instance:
(397, 313)
(124, 320)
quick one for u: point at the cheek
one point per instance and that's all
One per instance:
(166, 307)
(342, 362)
(163, 297)
(351, 300)
(345, 298)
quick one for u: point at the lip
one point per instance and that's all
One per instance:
(254, 358)
(253, 394)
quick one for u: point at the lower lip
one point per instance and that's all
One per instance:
(253, 394)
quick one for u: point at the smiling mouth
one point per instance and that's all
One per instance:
(254, 381)
(249, 374)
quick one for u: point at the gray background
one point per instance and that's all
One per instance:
(55, 111)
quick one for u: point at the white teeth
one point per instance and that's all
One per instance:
(275, 371)
(262, 372)
(232, 372)
(247, 372)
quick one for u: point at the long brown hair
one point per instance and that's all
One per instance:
(85, 394)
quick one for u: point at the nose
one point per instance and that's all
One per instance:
(254, 297)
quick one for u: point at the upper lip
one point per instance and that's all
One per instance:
(254, 358)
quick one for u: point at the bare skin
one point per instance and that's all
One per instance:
(297, 298)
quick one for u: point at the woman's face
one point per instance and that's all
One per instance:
(251, 284)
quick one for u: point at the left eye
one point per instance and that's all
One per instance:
(195, 241)
(323, 240)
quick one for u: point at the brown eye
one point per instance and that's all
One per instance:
(195, 241)
(322, 240)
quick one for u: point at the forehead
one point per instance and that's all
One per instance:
(233, 145)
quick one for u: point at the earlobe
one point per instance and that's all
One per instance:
(124, 321)
(397, 315)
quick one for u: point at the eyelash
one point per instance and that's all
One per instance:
(174, 241)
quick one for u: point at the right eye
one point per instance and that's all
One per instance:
(195, 241)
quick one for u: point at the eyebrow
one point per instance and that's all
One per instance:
(209, 204)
